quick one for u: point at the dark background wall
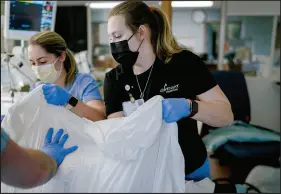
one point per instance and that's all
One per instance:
(71, 24)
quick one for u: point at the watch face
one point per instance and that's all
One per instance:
(72, 101)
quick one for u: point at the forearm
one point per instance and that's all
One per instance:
(216, 114)
(26, 168)
(89, 112)
(46, 167)
(116, 115)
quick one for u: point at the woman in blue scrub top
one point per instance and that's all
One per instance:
(55, 66)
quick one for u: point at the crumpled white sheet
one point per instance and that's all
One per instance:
(139, 153)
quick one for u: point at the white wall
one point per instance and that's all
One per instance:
(184, 27)
(265, 102)
(103, 34)
(100, 15)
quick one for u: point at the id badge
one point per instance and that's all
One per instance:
(130, 107)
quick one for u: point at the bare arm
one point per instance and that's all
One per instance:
(25, 168)
(115, 115)
(214, 108)
(93, 110)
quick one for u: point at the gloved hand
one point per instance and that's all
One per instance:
(2, 117)
(55, 148)
(174, 109)
(55, 94)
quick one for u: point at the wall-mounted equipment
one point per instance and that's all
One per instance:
(26, 18)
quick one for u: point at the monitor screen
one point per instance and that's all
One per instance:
(25, 18)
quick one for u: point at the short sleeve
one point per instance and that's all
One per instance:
(112, 96)
(198, 74)
(91, 90)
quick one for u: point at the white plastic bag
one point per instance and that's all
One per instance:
(139, 153)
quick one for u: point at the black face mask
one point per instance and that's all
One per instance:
(123, 55)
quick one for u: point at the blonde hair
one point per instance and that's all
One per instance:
(137, 13)
(53, 43)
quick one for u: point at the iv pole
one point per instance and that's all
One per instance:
(8, 56)
(7, 60)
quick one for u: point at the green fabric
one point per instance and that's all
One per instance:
(238, 132)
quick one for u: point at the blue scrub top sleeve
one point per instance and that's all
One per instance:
(91, 91)
(4, 140)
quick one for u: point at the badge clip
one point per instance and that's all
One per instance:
(132, 99)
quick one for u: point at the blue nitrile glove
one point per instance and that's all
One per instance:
(55, 94)
(2, 117)
(54, 148)
(174, 109)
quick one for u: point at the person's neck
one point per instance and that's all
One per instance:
(144, 63)
(61, 80)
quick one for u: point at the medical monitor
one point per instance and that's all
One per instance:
(23, 19)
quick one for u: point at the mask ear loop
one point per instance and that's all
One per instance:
(59, 70)
(55, 63)
(140, 44)
(131, 36)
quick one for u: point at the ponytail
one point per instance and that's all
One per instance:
(70, 67)
(137, 13)
(164, 42)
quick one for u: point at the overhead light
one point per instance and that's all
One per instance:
(109, 5)
(192, 3)
(103, 5)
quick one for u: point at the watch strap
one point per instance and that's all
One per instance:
(193, 107)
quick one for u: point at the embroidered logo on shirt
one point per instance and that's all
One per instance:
(169, 89)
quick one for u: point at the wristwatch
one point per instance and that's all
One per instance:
(72, 102)
(193, 107)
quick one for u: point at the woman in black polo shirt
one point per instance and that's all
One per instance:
(152, 63)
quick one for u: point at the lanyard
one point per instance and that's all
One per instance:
(142, 92)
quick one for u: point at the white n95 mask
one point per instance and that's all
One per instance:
(47, 73)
